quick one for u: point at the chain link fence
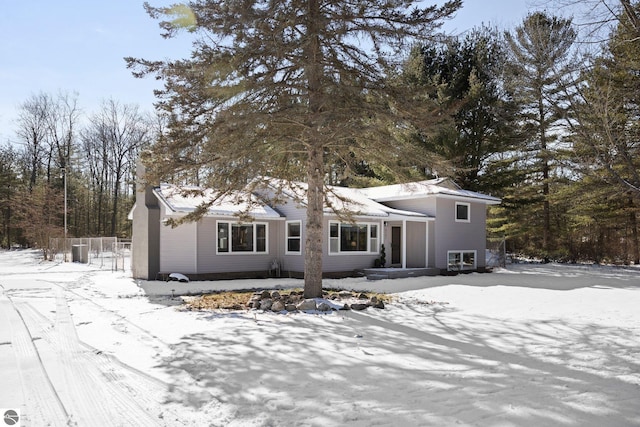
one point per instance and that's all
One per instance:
(496, 253)
(102, 252)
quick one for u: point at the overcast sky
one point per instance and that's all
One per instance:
(79, 45)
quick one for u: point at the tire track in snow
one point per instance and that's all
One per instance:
(92, 399)
(107, 362)
(174, 397)
(158, 399)
(158, 342)
(42, 403)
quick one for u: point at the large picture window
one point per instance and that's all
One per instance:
(361, 238)
(242, 238)
(294, 237)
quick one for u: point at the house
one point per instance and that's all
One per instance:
(428, 227)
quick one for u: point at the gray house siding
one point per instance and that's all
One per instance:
(192, 249)
(145, 250)
(416, 244)
(178, 248)
(425, 206)
(450, 235)
(207, 245)
(290, 262)
(445, 233)
(431, 244)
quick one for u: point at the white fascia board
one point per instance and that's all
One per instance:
(488, 200)
(411, 218)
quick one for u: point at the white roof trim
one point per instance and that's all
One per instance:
(422, 189)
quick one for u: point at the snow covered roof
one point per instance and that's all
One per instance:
(185, 199)
(343, 199)
(352, 199)
(434, 187)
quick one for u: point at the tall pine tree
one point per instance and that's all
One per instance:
(278, 88)
(540, 72)
(607, 128)
(468, 72)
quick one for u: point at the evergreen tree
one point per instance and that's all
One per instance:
(285, 89)
(540, 74)
(468, 72)
(9, 185)
(607, 128)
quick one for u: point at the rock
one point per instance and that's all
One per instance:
(363, 296)
(374, 300)
(345, 294)
(290, 307)
(306, 305)
(265, 294)
(277, 306)
(359, 306)
(345, 307)
(275, 295)
(266, 304)
(378, 304)
(323, 306)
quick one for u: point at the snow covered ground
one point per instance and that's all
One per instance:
(532, 345)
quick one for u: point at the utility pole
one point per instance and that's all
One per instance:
(64, 177)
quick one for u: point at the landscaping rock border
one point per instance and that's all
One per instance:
(294, 301)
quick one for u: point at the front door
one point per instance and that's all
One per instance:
(396, 245)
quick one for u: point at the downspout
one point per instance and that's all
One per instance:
(382, 236)
(195, 261)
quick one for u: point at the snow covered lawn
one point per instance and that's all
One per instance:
(532, 345)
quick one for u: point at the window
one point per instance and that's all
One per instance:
(362, 238)
(294, 237)
(334, 238)
(373, 238)
(238, 238)
(462, 212)
(461, 260)
(223, 237)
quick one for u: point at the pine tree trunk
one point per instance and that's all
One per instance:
(315, 158)
(315, 214)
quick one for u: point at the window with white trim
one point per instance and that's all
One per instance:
(359, 238)
(241, 238)
(461, 260)
(294, 237)
(463, 212)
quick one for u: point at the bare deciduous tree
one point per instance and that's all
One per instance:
(111, 143)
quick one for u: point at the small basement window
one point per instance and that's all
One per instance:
(461, 260)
